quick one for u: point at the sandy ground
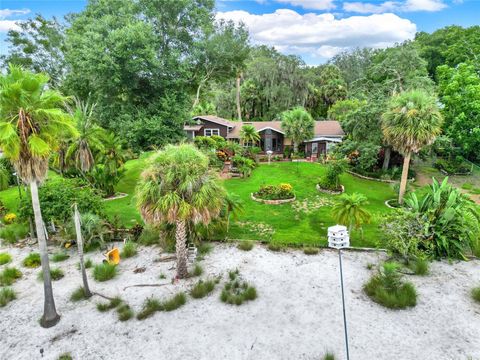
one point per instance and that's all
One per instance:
(297, 315)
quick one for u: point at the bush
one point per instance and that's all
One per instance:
(55, 274)
(56, 199)
(310, 251)
(129, 249)
(245, 245)
(275, 192)
(105, 271)
(202, 289)
(150, 236)
(476, 294)
(124, 312)
(6, 295)
(9, 275)
(32, 260)
(152, 305)
(14, 232)
(453, 166)
(420, 266)
(331, 179)
(386, 288)
(60, 256)
(9, 218)
(236, 291)
(5, 258)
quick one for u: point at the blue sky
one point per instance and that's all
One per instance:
(312, 29)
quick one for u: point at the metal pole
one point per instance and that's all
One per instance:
(343, 303)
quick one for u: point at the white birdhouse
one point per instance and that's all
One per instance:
(338, 237)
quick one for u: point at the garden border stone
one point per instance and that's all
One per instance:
(273, 202)
(331, 192)
(375, 179)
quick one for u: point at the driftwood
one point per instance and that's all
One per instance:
(145, 285)
(167, 258)
(103, 296)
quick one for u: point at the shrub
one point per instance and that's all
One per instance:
(245, 245)
(197, 271)
(152, 305)
(78, 294)
(32, 260)
(419, 266)
(150, 236)
(9, 218)
(104, 271)
(236, 291)
(5, 258)
(60, 256)
(174, 303)
(9, 275)
(202, 289)
(204, 248)
(6, 295)
(331, 179)
(275, 192)
(112, 304)
(386, 288)
(94, 230)
(476, 294)
(452, 166)
(124, 312)
(57, 196)
(14, 232)
(310, 251)
(129, 249)
(55, 274)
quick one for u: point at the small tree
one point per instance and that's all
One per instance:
(412, 121)
(350, 210)
(178, 188)
(249, 135)
(298, 125)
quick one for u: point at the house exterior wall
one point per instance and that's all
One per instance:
(211, 125)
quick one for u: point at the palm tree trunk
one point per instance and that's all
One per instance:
(181, 249)
(403, 181)
(386, 158)
(78, 229)
(239, 109)
(197, 96)
(50, 317)
(295, 147)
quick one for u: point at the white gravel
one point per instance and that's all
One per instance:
(297, 315)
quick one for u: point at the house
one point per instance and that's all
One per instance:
(272, 137)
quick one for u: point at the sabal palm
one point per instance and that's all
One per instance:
(412, 121)
(249, 135)
(31, 118)
(298, 125)
(350, 210)
(113, 154)
(89, 139)
(233, 206)
(178, 188)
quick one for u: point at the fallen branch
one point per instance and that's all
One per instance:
(103, 296)
(166, 258)
(145, 285)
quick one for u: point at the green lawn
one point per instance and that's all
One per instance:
(308, 224)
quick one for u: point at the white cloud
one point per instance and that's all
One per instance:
(6, 25)
(322, 35)
(394, 6)
(310, 4)
(6, 13)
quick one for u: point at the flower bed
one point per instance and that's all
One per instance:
(274, 194)
(337, 191)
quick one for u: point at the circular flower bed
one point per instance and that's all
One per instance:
(393, 204)
(274, 194)
(336, 191)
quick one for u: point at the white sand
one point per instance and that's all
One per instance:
(297, 315)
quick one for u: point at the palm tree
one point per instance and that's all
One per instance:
(90, 136)
(411, 122)
(178, 188)
(113, 154)
(350, 210)
(233, 206)
(31, 117)
(249, 135)
(298, 125)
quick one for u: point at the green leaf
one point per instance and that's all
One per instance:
(37, 146)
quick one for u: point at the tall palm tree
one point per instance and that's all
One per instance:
(298, 125)
(249, 135)
(350, 210)
(178, 188)
(31, 117)
(411, 122)
(113, 154)
(90, 138)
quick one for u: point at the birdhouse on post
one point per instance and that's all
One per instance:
(338, 237)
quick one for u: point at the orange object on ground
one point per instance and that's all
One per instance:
(113, 256)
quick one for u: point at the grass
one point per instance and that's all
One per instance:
(202, 289)
(32, 260)
(275, 247)
(162, 276)
(420, 267)
(386, 288)
(65, 356)
(9, 275)
(5, 258)
(476, 294)
(129, 250)
(6, 295)
(310, 251)
(306, 220)
(78, 295)
(152, 305)
(14, 232)
(124, 312)
(329, 356)
(245, 245)
(112, 304)
(55, 274)
(59, 256)
(88, 263)
(197, 271)
(104, 272)
(370, 266)
(236, 292)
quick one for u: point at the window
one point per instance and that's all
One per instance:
(314, 148)
(210, 132)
